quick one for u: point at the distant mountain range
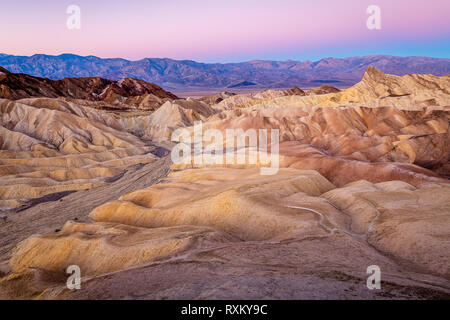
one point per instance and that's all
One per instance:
(186, 74)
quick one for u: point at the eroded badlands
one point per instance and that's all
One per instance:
(363, 180)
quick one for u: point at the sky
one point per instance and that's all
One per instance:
(226, 31)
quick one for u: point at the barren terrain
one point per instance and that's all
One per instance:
(87, 179)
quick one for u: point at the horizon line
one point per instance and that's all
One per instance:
(246, 61)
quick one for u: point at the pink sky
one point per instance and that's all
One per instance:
(232, 30)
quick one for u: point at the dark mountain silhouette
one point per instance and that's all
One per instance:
(242, 84)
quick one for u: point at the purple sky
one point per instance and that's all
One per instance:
(224, 31)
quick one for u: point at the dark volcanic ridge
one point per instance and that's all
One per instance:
(18, 86)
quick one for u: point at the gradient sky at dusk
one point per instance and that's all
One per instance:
(225, 31)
